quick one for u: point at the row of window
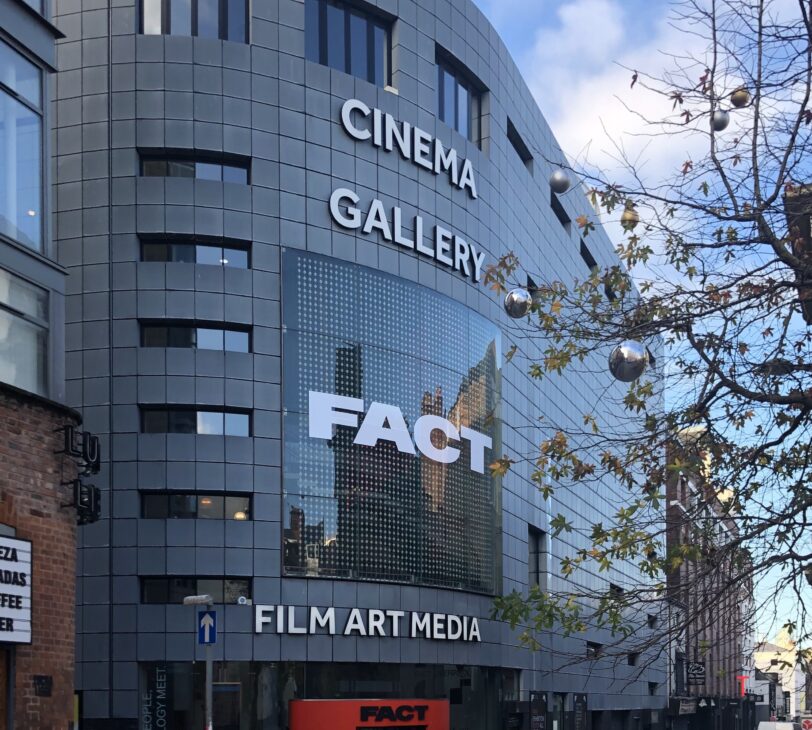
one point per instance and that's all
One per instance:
(348, 39)
(200, 338)
(201, 421)
(224, 19)
(345, 37)
(195, 252)
(166, 165)
(175, 589)
(195, 506)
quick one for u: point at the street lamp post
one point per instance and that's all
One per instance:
(208, 601)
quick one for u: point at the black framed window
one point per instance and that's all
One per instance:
(224, 19)
(200, 169)
(536, 558)
(199, 337)
(196, 505)
(166, 589)
(350, 39)
(459, 101)
(199, 421)
(195, 252)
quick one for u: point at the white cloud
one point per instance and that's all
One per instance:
(578, 72)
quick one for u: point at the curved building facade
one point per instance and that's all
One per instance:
(276, 217)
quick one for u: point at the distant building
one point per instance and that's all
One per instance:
(779, 655)
(712, 619)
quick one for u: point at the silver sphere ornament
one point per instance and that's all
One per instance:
(560, 181)
(628, 361)
(720, 120)
(517, 303)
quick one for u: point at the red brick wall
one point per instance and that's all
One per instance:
(30, 499)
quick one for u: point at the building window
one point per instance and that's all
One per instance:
(652, 688)
(224, 19)
(587, 257)
(182, 505)
(652, 621)
(23, 334)
(560, 213)
(348, 39)
(458, 100)
(194, 252)
(519, 146)
(21, 188)
(593, 649)
(175, 589)
(194, 420)
(200, 338)
(632, 658)
(178, 166)
(536, 558)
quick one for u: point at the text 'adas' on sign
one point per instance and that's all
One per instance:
(15, 590)
(367, 622)
(384, 422)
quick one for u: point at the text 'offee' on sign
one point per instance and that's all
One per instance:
(15, 590)
(408, 714)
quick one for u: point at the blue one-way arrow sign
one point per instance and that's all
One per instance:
(207, 627)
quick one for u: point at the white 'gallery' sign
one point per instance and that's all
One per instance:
(393, 223)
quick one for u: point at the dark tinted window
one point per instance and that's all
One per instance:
(159, 166)
(182, 505)
(458, 101)
(194, 253)
(238, 508)
(190, 420)
(163, 505)
(155, 506)
(202, 338)
(210, 507)
(225, 19)
(347, 39)
(175, 589)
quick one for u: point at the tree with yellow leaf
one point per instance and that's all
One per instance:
(717, 278)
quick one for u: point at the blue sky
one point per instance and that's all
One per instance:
(568, 52)
(571, 54)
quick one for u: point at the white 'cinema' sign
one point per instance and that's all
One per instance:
(384, 422)
(392, 223)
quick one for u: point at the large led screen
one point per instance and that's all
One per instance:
(391, 396)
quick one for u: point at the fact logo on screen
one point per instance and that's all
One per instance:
(383, 422)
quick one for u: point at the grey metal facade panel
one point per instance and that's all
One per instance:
(265, 101)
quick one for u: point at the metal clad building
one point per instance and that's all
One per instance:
(276, 217)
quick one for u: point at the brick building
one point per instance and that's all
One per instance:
(31, 499)
(710, 617)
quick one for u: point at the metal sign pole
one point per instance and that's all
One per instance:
(11, 679)
(209, 684)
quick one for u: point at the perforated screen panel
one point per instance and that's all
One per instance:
(388, 511)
